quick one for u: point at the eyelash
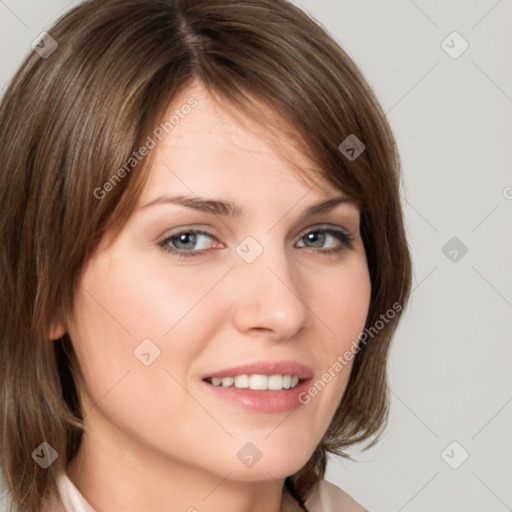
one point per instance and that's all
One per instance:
(345, 238)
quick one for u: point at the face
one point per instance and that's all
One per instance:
(253, 294)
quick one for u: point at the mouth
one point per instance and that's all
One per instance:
(263, 387)
(256, 382)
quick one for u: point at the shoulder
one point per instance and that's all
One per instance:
(326, 497)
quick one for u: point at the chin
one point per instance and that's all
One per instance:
(270, 460)
(268, 470)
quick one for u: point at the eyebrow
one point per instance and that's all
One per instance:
(230, 209)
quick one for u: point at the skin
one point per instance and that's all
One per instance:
(155, 439)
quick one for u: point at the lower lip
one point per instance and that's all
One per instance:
(266, 401)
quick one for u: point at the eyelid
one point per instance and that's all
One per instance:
(199, 230)
(202, 230)
(343, 235)
(326, 226)
(196, 231)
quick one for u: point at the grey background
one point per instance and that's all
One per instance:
(451, 359)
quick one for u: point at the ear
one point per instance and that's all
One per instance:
(57, 330)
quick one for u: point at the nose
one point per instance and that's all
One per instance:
(268, 297)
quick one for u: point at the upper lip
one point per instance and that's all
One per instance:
(265, 368)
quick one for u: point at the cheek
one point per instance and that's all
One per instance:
(342, 309)
(132, 301)
(342, 303)
(128, 315)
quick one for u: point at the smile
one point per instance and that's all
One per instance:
(256, 382)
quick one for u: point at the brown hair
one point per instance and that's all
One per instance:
(71, 119)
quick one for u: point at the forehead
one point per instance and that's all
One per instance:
(215, 145)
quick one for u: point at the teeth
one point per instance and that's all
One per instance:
(227, 381)
(276, 382)
(257, 382)
(242, 381)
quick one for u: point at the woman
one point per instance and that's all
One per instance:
(204, 260)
